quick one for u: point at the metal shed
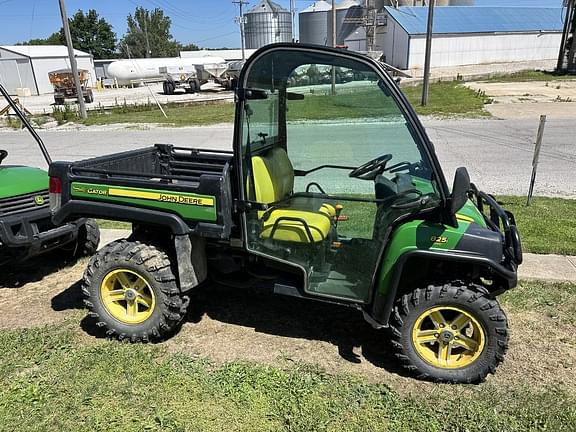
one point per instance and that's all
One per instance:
(27, 66)
(469, 35)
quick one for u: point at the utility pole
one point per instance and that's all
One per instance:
(148, 51)
(566, 56)
(333, 44)
(293, 13)
(72, 57)
(241, 20)
(334, 23)
(426, 83)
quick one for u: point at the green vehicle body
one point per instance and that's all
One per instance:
(19, 180)
(157, 199)
(247, 216)
(26, 228)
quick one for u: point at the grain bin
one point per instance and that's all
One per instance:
(314, 23)
(343, 9)
(267, 23)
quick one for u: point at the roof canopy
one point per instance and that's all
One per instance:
(470, 19)
(266, 6)
(42, 51)
(318, 6)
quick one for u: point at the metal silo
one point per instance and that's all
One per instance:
(342, 10)
(314, 23)
(267, 23)
(462, 2)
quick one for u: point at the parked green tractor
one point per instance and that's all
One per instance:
(332, 192)
(26, 228)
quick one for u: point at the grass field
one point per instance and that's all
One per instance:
(446, 99)
(55, 378)
(530, 76)
(178, 115)
(547, 226)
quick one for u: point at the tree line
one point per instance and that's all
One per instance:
(148, 35)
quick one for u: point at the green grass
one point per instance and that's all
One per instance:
(547, 226)
(530, 76)
(555, 300)
(446, 99)
(52, 381)
(199, 114)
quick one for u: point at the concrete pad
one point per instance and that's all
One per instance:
(532, 110)
(548, 267)
(109, 235)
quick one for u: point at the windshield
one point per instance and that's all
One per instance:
(329, 110)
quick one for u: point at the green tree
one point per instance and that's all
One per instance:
(148, 35)
(92, 34)
(89, 33)
(53, 39)
(189, 47)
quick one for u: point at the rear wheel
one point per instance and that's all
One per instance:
(170, 87)
(450, 333)
(131, 290)
(89, 98)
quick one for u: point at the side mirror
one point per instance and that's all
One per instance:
(459, 190)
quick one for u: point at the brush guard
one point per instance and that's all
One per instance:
(501, 220)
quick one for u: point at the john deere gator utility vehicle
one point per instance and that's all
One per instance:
(332, 192)
(26, 228)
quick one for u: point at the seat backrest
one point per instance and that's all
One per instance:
(273, 175)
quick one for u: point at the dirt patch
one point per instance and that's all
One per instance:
(529, 99)
(226, 324)
(42, 292)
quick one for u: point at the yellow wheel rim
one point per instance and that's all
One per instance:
(127, 296)
(448, 337)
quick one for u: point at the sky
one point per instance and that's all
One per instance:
(207, 23)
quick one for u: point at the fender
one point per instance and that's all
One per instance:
(384, 302)
(75, 208)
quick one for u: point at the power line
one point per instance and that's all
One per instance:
(241, 20)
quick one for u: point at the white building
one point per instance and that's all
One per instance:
(27, 66)
(469, 35)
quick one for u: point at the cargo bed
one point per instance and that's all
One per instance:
(190, 186)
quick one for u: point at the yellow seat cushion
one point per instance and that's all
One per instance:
(273, 176)
(295, 230)
(313, 204)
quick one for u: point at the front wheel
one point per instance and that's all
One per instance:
(450, 333)
(132, 292)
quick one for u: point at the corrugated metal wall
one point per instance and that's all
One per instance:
(314, 28)
(478, 49)
(15, 72)
(264, 28)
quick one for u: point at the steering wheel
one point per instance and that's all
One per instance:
(3, 155)
(370, 169)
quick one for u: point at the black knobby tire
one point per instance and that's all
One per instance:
(151, 264)
(469, 298)
(88, 239)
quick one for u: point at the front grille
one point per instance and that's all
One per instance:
(24, 203)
